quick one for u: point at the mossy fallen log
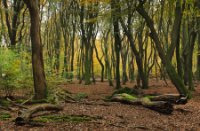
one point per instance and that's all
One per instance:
(26, 116)
(172, 98)
(164, 107)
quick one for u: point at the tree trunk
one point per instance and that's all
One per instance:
(12, 28)
(176, 80)
(190, 60)
(100, 62)
(115, 21)
(198, 35)
(175, 34)
(189, 37)
(92, 65)
(124, 56)
(159, 106)
(198, 55)
(160, 103)
(131, 67)
(108, 69)
(141, 73)
(40, 87)
(57, 46)
(72, 50)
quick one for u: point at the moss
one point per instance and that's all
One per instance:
(128, 97)
(126, 93)
(4, 102)
(20, 100)
(80, 96)
(4, 116)
(149, 97)
(146, 100)
(65, 118)
(125, 90)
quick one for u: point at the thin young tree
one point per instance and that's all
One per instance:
(115, 10)
(40, 86)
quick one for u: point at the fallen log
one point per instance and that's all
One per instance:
(172, 98)
(26, 116)
(164, 107)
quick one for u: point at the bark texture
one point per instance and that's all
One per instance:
(40, 87)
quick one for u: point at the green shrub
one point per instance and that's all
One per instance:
(15, 72)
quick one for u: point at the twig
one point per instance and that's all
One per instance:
(15, 104)
(26, 101)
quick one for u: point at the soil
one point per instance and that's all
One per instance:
(117, 116)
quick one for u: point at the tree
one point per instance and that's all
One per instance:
(13, 25)
(128, 32)
(117, 39)
(40, 86)
(197, 4)
(176, 80)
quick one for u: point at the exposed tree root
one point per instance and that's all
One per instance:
(6, 108)
(25, 116)
(15, 104)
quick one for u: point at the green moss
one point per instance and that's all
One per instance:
(149, 97)
(128, 97)
(127, 90)
(4, 102)
(65, 118)
(4, 116)
(80, 96)
(146, 100)
(20, 100)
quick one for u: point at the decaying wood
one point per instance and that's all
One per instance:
(172, 98)
(25, 116)
(15, 104)
(159, 103)
(6, 108)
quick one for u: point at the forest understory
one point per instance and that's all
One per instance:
(101, 115)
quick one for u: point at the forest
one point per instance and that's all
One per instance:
(100, 65)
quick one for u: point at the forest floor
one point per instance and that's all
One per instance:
(117, 116)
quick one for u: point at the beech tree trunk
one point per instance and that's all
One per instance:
(100, 62)
(176, 80)
(108, 63)
(40, 87)
(141, 73)
(115, 10)
(175, 34)
(198, 55)
(12, 28)
(197, 2)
